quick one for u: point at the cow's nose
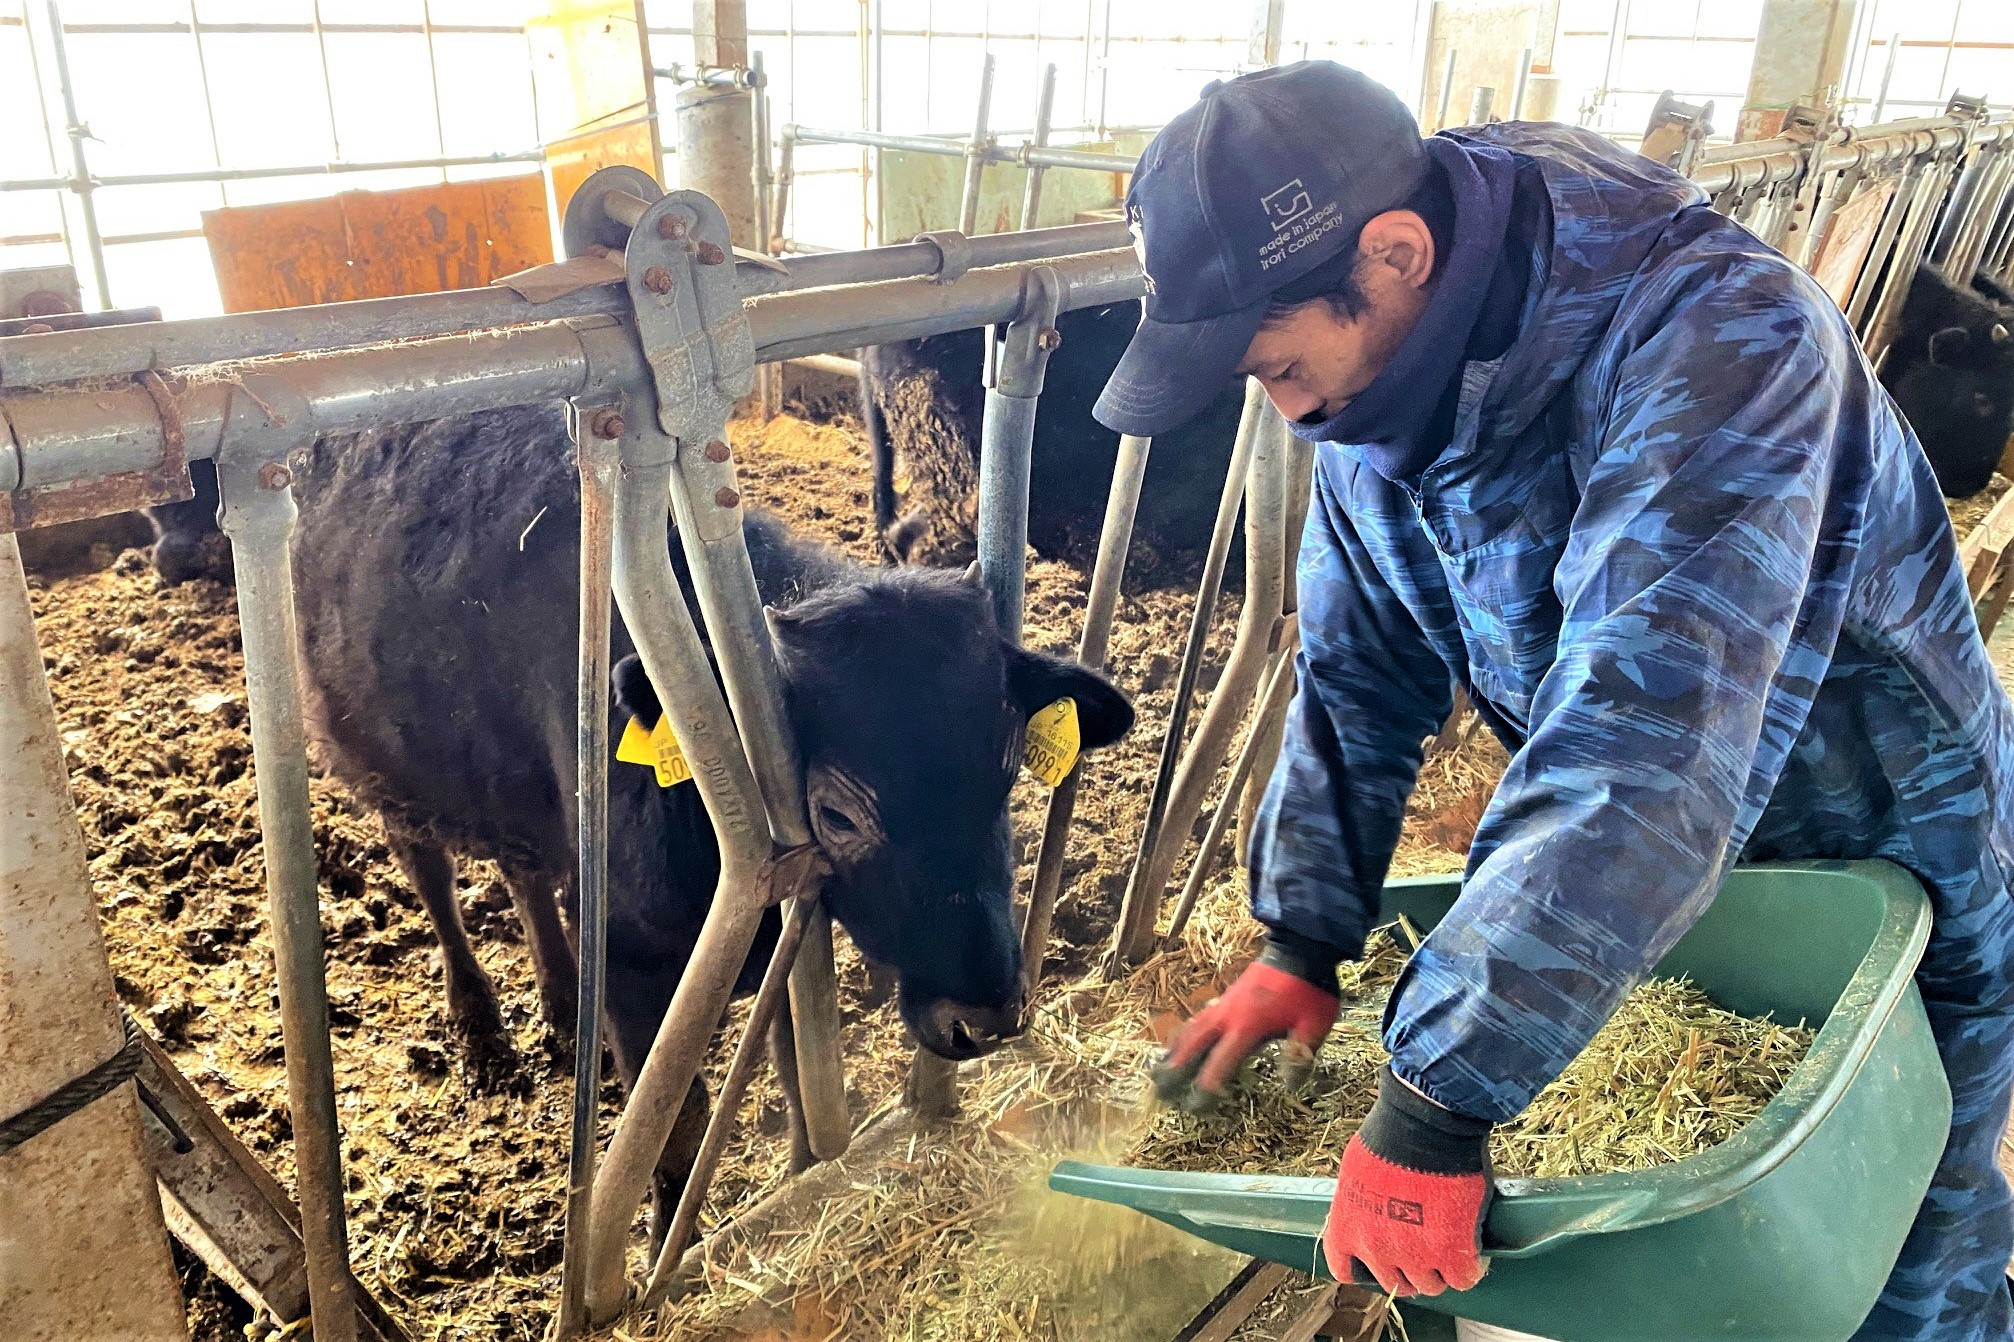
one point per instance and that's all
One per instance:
(959, 1030)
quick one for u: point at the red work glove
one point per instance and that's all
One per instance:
(1268, 1001)
(1410, 1196)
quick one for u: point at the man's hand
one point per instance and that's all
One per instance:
(1410, 1196)
(1267, 1002)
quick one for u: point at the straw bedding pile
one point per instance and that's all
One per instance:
(1669, 1076)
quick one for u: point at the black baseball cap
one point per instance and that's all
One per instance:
(1266, 178)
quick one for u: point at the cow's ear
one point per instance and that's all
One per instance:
(634, 692)
(1035, 680)
(1949, 345)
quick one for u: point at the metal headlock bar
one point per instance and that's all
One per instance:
(651, 329)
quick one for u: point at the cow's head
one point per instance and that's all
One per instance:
(910, 711)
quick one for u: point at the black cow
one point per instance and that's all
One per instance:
(922, 400)
(1950, 369)
(437, 568)
(187, 541)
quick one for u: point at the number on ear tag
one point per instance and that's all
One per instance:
(1053, 742)
(658, 748)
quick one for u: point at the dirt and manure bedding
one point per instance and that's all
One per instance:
(455, 1192)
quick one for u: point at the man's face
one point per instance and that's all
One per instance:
(1314, 359)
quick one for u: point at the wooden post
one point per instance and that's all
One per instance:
(83, 1251)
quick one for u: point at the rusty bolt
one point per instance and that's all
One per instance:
(607, 424)
(710, 254)
(672, 226)
(273, 475)
(1049, 339)
(726, 497)
(657, 279)
(716, 451)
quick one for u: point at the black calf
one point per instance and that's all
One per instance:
(1950, 369)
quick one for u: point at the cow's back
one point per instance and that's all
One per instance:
(435, 569)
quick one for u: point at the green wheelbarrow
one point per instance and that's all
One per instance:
(1786, 1230)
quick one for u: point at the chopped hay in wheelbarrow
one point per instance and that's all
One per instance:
(1671, 1074)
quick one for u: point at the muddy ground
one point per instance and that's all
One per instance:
(454, 1192)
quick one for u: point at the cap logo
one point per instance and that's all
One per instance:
(1286, 204)
(1137, 227)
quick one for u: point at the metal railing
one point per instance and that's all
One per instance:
(73, 448)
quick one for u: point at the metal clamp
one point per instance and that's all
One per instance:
(1677, 132)
(167, 482)
(689, 322)
(954, 253)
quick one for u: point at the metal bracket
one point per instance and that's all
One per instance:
(1677, 132)
(167, 482)
(691, 327)
(1964, 105)
(588, 224)
(954, 253)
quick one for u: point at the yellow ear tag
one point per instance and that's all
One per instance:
(657, 748)
(1053, 742)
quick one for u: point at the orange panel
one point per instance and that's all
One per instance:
(570, 161)
(377, 244)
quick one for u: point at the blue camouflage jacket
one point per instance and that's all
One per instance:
(1696, 572)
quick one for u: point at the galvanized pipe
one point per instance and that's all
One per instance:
(1006, 455)
(80, 183)
(1887, 76)
(1964, 197)
(597, 459)
(206, 175)
(1447, 91)
(1909, 249)
(1135, 908)
(1518, 86)
(1278, 688)
(258, 518)
(31, 360)
(1300, 489)
(1481, 103)
(976, 151)
(1259, 619)
(1031, 191)
(1892, 215)
(654, 611)
(720, 1125)
(1122, 505)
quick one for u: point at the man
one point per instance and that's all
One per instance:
(1616, 468)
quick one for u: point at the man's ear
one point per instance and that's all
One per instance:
(1035, 680)
(634, 692)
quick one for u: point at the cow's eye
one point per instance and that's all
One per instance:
(836, 820)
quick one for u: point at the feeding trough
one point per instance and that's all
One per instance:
(1742, 1240)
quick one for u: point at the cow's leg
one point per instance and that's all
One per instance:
(552, 955)
(783, 1053)
(473, 1014)
(634, 1005)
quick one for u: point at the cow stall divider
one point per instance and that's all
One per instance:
(648, 398)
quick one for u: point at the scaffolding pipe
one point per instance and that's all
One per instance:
(1006, 457)
(1031, 191)
(201, 176)
(1259, 621)
(258, 517)
(1447, 91)
(597, 458)
(32, 360)
(1127, 939)
(660, 624)
(1278, 688)
(80, 183)
(769, 997)
(1122, 505)
(976, 151)
(1518, 87)
(1887, 76)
